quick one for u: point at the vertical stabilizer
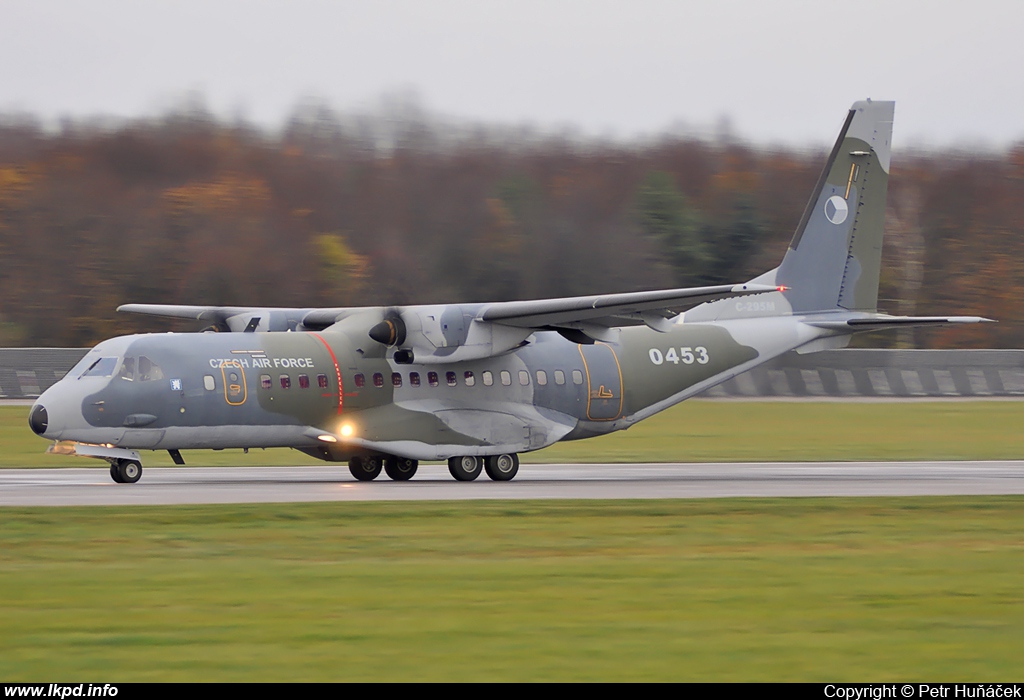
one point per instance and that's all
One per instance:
(835, 256)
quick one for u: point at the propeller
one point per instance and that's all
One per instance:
(390, 331)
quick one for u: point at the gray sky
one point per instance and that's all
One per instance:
(781, 71)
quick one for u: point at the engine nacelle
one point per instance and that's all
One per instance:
(440, 334)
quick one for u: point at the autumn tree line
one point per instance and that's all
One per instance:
(333, 211)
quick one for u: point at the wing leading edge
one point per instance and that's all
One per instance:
(629, 308)
(585, 314)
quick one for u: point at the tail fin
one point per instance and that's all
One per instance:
(835, 256)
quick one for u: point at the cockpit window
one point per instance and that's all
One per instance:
(149, 370)
(103, 367)
(127, 369)
(85, 363)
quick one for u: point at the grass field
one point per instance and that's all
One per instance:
(698, 431)
(869, 589)
(740, 589)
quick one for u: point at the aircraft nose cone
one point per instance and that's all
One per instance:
(38, 420)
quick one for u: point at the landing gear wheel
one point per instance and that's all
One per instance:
(502, 467)
(400, 468)
(465, 468)
(365, 468)
(115, 473)
(128, 470)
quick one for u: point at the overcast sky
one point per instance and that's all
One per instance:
(780, 71)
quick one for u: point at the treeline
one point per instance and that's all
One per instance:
(335, 211)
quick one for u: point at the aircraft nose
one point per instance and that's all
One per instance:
(38, 419)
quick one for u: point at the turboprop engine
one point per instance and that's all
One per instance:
(440, 334)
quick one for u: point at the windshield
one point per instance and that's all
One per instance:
(82, 365)
(103, 367)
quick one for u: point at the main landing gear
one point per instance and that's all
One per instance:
(126, 471)
(466, 468)
(498, 467)
(369, 468)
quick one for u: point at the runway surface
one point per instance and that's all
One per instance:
(177, 485)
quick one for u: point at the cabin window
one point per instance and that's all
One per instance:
(487, 377)
(209, 383)
(414, 378)
(524, 377)
(286, 381)
(396, 379)
(149, 370)
(432, 378)
(542, 377)
(577, 377)
(321, 380)
(506, 378)
(559, 377)
(303, 381)
(103, 367)
(470, 379)
(450, 377)
(378, 379)
(265, 381)
(360, 381)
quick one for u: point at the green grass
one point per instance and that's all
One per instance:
(699, 431)
(738, 589)
(740, 431)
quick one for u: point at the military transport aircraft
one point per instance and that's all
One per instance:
(475, 384)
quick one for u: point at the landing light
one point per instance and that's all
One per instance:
(327, 438)
(347, 430)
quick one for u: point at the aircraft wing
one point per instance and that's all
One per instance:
(195, 313)
(243, 318)
(587, 314)
(591, 313)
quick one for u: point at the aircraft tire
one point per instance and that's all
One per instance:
(465, 468)
(365, 468)
(129, 470)
(502, 467)
(115, 472)
(400, 468)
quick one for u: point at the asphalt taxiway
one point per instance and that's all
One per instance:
(180, 485)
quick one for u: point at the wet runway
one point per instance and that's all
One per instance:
(170, 485)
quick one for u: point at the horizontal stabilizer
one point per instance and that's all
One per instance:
(884, 322)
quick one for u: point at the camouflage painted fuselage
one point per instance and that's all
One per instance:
(213, 390)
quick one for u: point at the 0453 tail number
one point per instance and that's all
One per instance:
(686, 355)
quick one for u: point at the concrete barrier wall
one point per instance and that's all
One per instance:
(27, 372)
(883, 373)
